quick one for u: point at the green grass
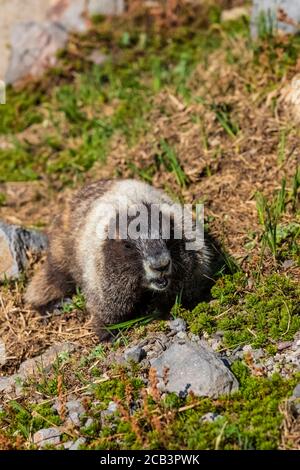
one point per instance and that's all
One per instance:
(170, 161)
(270, 214)
(262, 317)
(83, 112)
(223, 115)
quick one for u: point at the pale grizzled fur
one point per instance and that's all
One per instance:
(113, 276)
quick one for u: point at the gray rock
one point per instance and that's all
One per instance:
(6, 384)
(73, 419)
(209, 417)
(45, 360)
(269, 10)
(49, 436)
(15, 242)
(34, 47)
(2, 353)
(134, 354)
(75, 411)
(75, 445)
(71, 14)
(196, 368)
(106, 7)
(296, 391)
(75, 406)
(178, 324)
(33, 366)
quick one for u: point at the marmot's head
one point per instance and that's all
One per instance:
(144, 256)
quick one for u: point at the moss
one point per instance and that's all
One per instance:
(25, 420)
(117, 389)
(248, 419)
(270, 312)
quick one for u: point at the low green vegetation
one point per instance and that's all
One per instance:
(248, 419)
(261, 315)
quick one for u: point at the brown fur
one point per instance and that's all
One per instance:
(112, 275)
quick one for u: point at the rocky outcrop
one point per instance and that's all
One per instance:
(15, 244)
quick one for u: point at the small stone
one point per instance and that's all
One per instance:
(75, 446)
(6, 384)
(134, 354)
(49, 436)
(75, 411)
(181, 335)
(75, 406)
(89, 422)
(97, 57)
(209, 417)
(284, 345)
(68, 444)
(296, 391)
(178, 324)
(73, 418)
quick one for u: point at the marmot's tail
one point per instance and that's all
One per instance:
(47, 287)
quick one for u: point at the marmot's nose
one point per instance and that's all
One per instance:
(160, 264)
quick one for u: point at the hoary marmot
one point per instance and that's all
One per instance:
(121, 277)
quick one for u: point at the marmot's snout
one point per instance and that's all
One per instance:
(158, 268)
